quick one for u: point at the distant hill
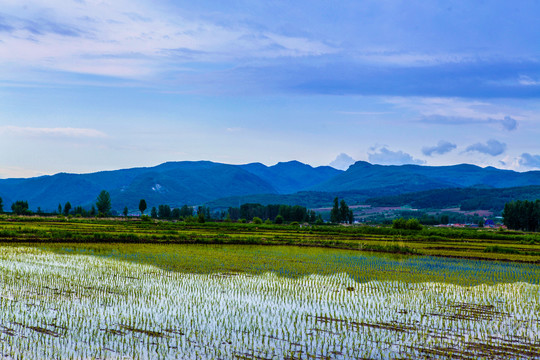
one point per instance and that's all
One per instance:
(174, 183)
(293, 176)
(363, 175)
(465, 198)
(223, 185)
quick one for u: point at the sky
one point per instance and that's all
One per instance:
(91, 85)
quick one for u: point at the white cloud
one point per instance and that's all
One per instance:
(492, 147)
(454, 111)
(530, 161)
(507, 123)
(383, 156)
(100, 37)
(528, 81)
(52, 132)
(441, 148)
(342, 162)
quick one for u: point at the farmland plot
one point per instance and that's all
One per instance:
(227, 302)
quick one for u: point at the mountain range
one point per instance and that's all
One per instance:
(222, 185)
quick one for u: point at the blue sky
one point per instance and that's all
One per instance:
(96, 84)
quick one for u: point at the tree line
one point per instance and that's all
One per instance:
(522, 215)
(341, 213)
(277, 213)
(103, 205)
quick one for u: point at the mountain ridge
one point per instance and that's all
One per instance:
(176, 183)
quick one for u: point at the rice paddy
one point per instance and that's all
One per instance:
(142, 301)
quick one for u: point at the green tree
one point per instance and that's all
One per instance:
(164, 211)
(67, 208)
(279, 219)
(344, 211)
(413, 224)
(200, 217)
(334, 213)
(20, 207)
(126, 211)
(400, 223)
(142, 206)
(93, 211)
(186, 211)
(257, 220)
(445, 219)
(153, 212)
(103, 203)
(59, 209)
(522, 215)
(1, 205)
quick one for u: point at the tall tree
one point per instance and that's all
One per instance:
(343, 211)
(103, 203)
(67, 208)
(126, 211)
(153, 212)
(20, 207)
(59, 209)
(522, 215)
(142, 206)
(1, 205)
(164, 211)
(334, 213)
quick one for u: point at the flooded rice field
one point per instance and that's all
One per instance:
(252, 302)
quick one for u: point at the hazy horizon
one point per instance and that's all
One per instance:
(91, 86)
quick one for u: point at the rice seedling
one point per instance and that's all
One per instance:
(248, 302)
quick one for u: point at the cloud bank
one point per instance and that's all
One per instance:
(342, 162)
(530, 161)
(507, 123)
(383, 156)
(492, 148)
(441, 148)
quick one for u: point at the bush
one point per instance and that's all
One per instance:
(257, 220)
(411, 224)
(279, 219)
(145, 218)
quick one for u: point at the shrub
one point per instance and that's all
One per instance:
(411, 224)
(257, 220)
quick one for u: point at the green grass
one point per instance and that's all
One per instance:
(466, 243)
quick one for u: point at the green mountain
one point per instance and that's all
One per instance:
(174, 183)
(292, 176)
(410, 178)
(223, 185)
